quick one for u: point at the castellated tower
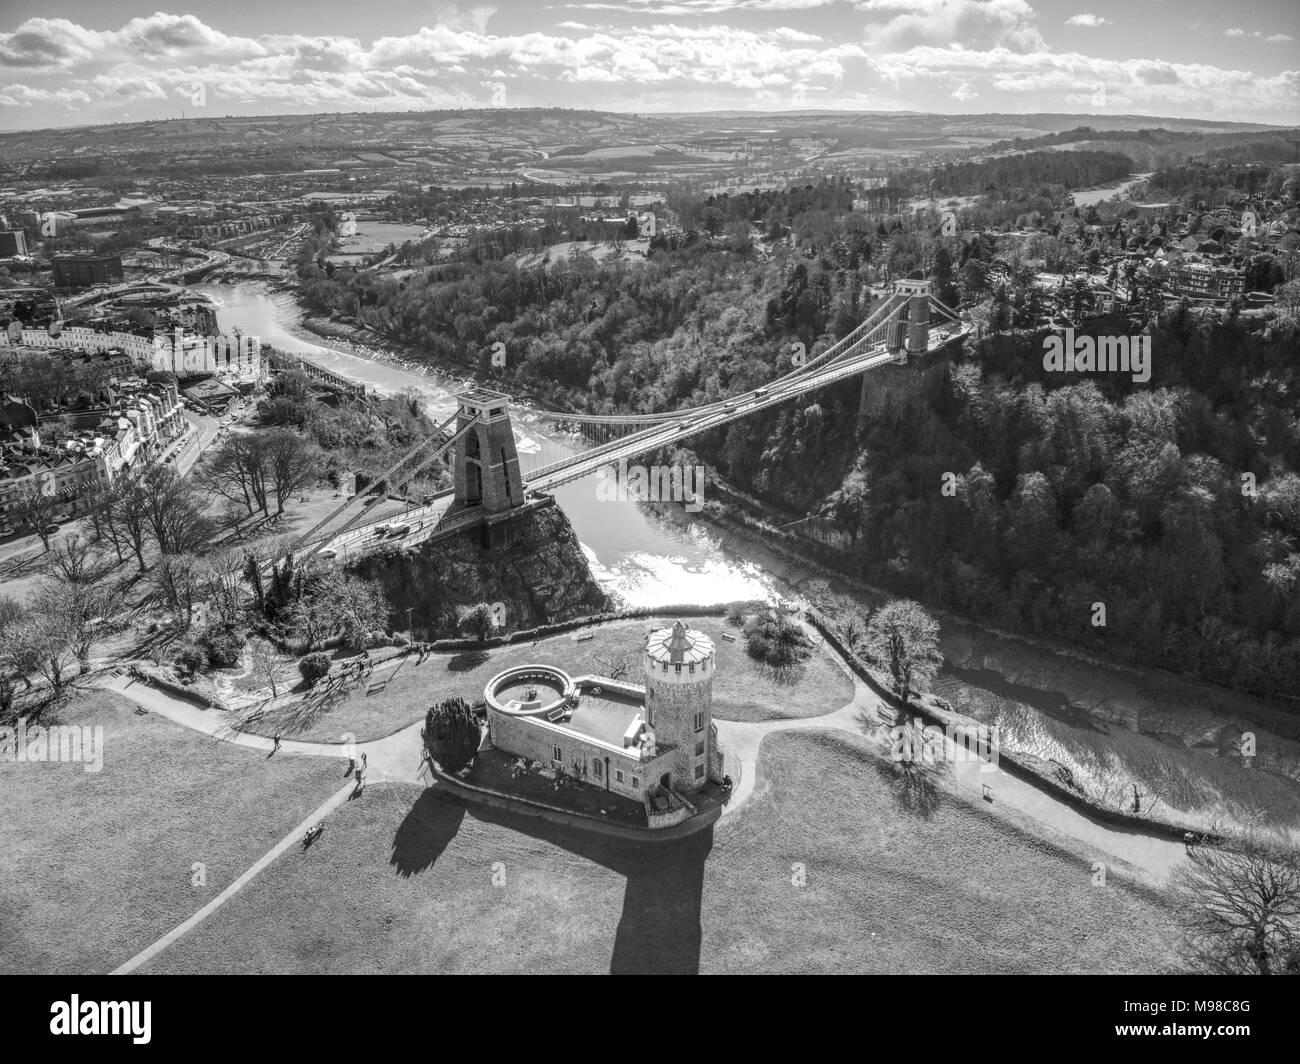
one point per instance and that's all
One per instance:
(679, 664)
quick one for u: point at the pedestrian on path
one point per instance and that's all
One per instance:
(363, 761)
(275, 746)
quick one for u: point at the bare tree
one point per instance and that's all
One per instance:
(76, 560)
(16, 661)
(264, 660)
(125, 513)
(1240, 907)
(176, 522)
(290, 463)
(237, 471)
(36, 509)
(74, 617)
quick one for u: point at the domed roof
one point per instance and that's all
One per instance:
(679, 645)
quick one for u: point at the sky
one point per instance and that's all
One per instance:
(80, 62)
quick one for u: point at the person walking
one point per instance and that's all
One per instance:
(275, 747)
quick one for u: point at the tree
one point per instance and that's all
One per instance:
(314, 667)
(42, 642)
(237, 471)
(76, 560)
(290, 463)
(1240, 908)
(477, 619)
(775, 640)
(35, 509)
(124, 513)
(175, 519)
(263, 661)
(906, 638)
(16, 661)
(452, 734)
(74, 617)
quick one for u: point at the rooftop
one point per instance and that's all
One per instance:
(481, 396)
(605, 716)
(679, 645)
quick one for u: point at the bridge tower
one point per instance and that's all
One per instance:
(917, 291)
(486, 463)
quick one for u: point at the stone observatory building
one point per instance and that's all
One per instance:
(654, 743)
(679, 665)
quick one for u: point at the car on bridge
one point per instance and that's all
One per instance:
(760, 392)
(327, 552)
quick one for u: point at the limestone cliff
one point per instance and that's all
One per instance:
(543, 578)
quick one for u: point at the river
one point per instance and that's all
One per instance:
(1175, 741)
(646, 560)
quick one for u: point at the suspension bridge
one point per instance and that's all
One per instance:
(491, 489)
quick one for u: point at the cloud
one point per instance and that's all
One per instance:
(1279, 38)
(969, 23)
(912, 54)
(1090, 21)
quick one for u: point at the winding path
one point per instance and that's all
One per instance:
(399, 758)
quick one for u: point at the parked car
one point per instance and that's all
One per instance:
(328, 552)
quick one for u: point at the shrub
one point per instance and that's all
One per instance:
(314, 667)
(736, 616)
(775, 640)
(400, 640)
(223, 645)
(451, 734)
(189, 660)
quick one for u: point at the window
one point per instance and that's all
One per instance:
(699, 747)
(636, 782)
(691, 668)
(555, 750)
(596, 766)
(699, 721)
(678, 668)
(699, 772)
(618, 774)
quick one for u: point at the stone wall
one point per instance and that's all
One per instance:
(535, 739)
(672, 707)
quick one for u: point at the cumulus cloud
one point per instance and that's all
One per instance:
(915, 54)
(971, 23)
(1084, 19)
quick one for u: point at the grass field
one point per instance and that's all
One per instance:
(743, 689)
(403, 881)
(96, 865)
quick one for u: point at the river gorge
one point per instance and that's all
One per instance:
(1118, 732)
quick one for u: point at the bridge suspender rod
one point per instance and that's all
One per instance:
(441, 450)
(383, 476)
(944, 310)
(841, 348)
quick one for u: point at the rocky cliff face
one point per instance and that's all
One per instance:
(542, 579)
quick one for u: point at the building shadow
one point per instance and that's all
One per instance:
(659, 930)
(425, 834)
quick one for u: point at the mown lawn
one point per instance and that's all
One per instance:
(743, 689)
(95, 866)
(403, 881)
